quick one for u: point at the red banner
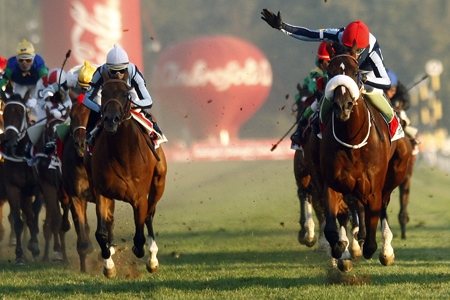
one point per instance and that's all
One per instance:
(89, 28)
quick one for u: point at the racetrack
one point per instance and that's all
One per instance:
(229, 230)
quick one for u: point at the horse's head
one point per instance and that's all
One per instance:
(15, 121)
(79, 115)
(343, 73)
(115, 103)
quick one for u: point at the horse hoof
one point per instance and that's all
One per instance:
(20, 261)
(387, 261)
(34, 249)
(151, 269)
(139, 252)
(109, 273)
(345, 265)
(58, 256)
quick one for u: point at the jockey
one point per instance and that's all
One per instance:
(52, 93)
(54, 84)
(117, 65)
(308, 90)
(24, 70)
(399, 97)
(78, 79)
(370, 59)
(3, 62)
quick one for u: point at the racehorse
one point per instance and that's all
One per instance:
(310, 192)
(48, 165)
(404, 187)
(3, 194)
(124, 167)
(75, 179)
(21, 180)
(357, 158)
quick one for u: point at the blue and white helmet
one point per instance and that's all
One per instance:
(117, 59)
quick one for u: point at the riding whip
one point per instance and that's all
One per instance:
(277, 143)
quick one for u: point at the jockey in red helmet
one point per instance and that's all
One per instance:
(369, 55)
(309, 89)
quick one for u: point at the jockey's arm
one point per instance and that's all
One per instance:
(143, 100)
(305, 34)
(379, 77)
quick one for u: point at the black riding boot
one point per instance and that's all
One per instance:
(297, 136)
(155, 125)
(94, 117)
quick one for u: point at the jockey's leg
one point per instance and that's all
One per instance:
(91, 127)
(297, 136)
(149, 116)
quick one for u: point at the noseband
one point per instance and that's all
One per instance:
(124, 112)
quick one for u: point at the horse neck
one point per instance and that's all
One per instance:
(357, 125)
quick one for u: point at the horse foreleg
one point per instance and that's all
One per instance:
(372, 215)
(331, 229)
(140, 214)
(18, 228)
(2, 228)
(387, 251)
(152, 262)
(30, 217)
(105, 218)
(84, 244)
(306, 233)
(403, 216)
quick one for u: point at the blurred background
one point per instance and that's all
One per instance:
(411, 33)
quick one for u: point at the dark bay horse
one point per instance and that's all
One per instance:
(310, 192)
(124, 167)
(3, 194)
(357, 158)
(48, 166)
(21, 181)
(75, 179)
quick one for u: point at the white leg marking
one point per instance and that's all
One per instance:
(387, 236)
(109, 263)
(343, 238)
(153, 249)
(309, 223)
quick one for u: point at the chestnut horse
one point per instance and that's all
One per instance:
(21, 180)
(124, 167)
(357, 158)
(75, 179)
(48, 165)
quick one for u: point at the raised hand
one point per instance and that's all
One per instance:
(273, 20)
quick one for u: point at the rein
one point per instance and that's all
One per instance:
(125, 113)
(360, 145)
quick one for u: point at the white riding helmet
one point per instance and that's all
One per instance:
(117, 59)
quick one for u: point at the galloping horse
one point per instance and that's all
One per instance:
(124, 167)
(357, 158)
(21, 180)
(54, 196)
(75, 179)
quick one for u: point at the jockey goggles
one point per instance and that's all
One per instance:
(116, 72)
(358, 51)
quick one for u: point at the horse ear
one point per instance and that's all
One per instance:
(354, 48)
(330, 49)
(105, 75)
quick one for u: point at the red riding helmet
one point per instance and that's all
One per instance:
(322, 52)
(356, 31)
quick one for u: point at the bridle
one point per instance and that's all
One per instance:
(20, 132)
(355, 102)
(125, 113)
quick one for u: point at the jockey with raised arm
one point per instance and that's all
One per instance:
(370, 59)
(117, 65)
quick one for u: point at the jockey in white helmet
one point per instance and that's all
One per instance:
(117, 64)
